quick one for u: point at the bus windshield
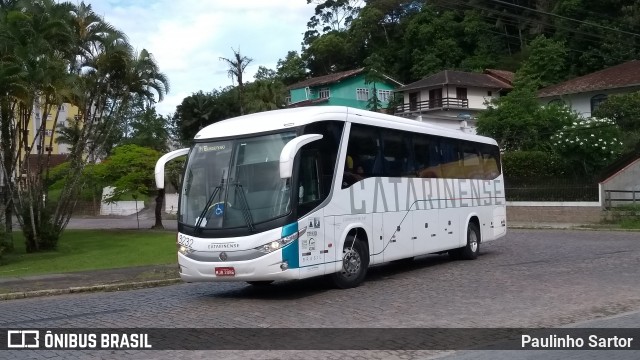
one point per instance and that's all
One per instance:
(235, 183)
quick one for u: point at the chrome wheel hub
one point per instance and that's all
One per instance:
(351, 263)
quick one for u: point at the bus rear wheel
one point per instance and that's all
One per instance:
(355, 261)
(471, 250)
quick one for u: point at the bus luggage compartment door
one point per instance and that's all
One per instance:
(397, 235)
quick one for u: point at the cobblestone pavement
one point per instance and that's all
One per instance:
(531, 278)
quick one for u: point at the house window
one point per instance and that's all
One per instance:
(362, 94)
(461, 93)
(287, 100)
(384, 95)
(323, 93)
(48, 132)
(596, 101)
(489, 93)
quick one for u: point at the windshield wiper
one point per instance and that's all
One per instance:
(246, 212)
(209, 201)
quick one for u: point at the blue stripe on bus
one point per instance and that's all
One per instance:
(291, 252)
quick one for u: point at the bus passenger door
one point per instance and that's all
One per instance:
(397, 235)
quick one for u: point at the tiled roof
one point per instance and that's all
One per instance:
(308, 102)
(503, 75)
(451, 77)
(326, 79)
(333, 78)
(619, 76)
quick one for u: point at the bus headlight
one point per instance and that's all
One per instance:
(280, 243)
(184, 250)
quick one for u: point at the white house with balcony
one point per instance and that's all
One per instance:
(453, 98)
(585, 93)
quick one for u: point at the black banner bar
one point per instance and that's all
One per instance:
(322, 339)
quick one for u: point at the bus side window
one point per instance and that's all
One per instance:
(451, 164)
(491, 159)
(396, 153)
(473, 166)
(363, 155)
(426, 156)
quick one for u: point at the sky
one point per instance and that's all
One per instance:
(187, 37)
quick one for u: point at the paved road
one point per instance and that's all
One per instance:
(531, 278)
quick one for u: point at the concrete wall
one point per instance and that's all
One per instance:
(121, 207)
(171, 203)
(555, 214)
(625, 179)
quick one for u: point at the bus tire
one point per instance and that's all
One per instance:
(470, 251)
(355, 262)
(260, 283)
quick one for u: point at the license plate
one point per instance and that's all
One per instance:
(225, 271)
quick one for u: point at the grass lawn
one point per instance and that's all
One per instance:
(92, 249)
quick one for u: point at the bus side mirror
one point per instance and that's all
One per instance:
(290, 150)
(159, 171)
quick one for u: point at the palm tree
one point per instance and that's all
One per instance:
(237, 65)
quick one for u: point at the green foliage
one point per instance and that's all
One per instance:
(533, 165)
(264, 73)
(545, 64)
(374, 103)
(291, 69)
(56, 53)
(173, 171)
(265, 95)
(150, 130)
(624, 110)
(518, 122)
(417, 38)
(545, 176)
(202, 109)
(329, 53)
(130, 169)
(589, 144)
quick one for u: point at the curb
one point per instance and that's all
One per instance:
(577, 227)
(86, 289)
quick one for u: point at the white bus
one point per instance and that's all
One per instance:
(296, 193)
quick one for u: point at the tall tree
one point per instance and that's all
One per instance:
(237, 65)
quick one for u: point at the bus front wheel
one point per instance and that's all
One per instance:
(355, 261)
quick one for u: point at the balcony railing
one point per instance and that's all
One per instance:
(433, 104)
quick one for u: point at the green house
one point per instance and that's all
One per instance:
(346, 88)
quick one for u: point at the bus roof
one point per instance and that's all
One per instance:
(290, 118)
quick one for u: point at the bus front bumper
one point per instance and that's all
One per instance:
(264, 268)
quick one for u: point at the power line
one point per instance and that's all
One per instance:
(567, 18)
(510, 16)
(509, 19)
